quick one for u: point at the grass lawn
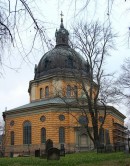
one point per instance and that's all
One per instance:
(77, 159)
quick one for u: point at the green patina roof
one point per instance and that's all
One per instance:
(56, 101)
(45, 102)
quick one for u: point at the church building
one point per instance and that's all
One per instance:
(52, 112)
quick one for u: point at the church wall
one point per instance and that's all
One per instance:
(56, 87)
(110, 119)
(33, 92)
(52, 124)
(37, 86)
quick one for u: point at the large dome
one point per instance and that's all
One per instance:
(62, 59)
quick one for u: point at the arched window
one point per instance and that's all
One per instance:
(101, 135)
(12, 137)
(47, 91)
(68, 91)
(61, 135)
(27, 133)
(43, 135)
(75, 91)
(107, 136)
(41, 93)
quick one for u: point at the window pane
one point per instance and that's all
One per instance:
(101, 119)
(47, 91)
(42, 118)
(12, 137)
(43, 135)
(41, 93)
(101, 135)
(83, 120)
(107, 136)
(61, 117)
(61, 135)
(27, 133)
(68, 91)
(12, 123)
(75, 91)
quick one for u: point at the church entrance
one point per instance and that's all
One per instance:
(83, 142)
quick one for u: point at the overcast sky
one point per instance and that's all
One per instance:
(14, 83)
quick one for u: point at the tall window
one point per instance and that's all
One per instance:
(107, 137)
(101, 135)
(41, 93)
(61, 135)
(27, 133)
(12, 137)
(75, 91)
(47, 91)
(68, 91)
(43, 135)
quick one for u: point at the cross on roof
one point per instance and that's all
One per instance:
(62, 26)
(61, 14)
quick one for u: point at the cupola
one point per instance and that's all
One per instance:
(62, 35)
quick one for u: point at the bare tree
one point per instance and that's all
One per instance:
(85, 4)
(123, 82)
(15, 18)
(94, 42)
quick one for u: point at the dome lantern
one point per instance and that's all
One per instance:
(62, 35)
